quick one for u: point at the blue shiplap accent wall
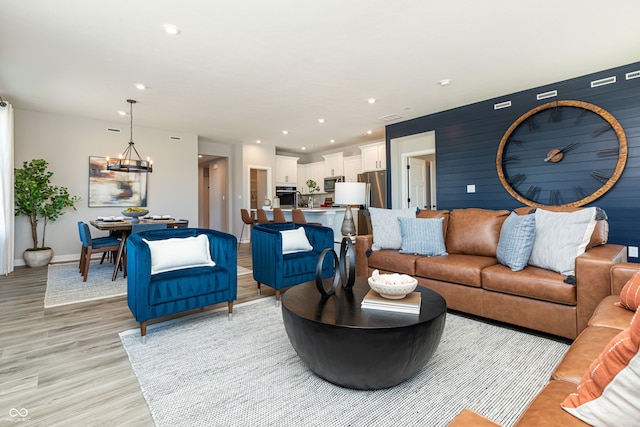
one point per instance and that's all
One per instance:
(467, 140)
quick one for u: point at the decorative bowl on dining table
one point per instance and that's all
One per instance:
(134, 213)
(392, 286)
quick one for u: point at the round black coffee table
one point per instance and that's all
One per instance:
(361, 348)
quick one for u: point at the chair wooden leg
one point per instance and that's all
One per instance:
(277, 298)
(104, 254)
(259, 290)
(85, 267)
(143, 331)
(230, 309)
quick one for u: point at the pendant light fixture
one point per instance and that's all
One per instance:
(125, 161)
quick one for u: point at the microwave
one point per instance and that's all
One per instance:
(330, 183)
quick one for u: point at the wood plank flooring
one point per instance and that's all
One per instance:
(65, 365)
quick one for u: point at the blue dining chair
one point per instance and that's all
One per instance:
(91, 246)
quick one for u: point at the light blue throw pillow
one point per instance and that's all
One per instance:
(516, 241)
(386, 228)
(422, 236)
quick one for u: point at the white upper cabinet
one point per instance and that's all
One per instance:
(286, 170)
(374, 157)
(352, 167)
(333, 165)
(314, 171)
(302, 179)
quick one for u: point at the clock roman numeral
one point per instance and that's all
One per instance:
(601, 130)
(555, 114)
(510, 159)
(516, 179)
(532, 192)
(580, 116)
(531, 123)
(600, 176)
(554, 198)
(608, 152)
(516, 141)
(580, 192)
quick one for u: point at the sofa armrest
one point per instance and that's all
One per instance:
(468, 418)
(363, 244)
(593, 278)
(620, 274)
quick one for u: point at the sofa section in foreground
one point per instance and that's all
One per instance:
(590, 380)
(471, 279)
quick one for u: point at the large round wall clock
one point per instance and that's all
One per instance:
(562, 153)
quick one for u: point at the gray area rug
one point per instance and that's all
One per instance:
(204, 370)
(65, 285)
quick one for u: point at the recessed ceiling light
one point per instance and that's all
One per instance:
(171, 29)
(320, 120)
(331, 141)
(285, 132)
(303, 148)
(199, 156)
(122, 113)
(140, 86)
(369, 132)
(444, 82)
(371, 100)
(258, 141)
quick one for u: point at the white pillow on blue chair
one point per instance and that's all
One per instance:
(295, 241)
(177, 253)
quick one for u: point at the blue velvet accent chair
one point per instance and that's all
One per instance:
(272, 268)
(155, 295)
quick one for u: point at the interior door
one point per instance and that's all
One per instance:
(418, 183)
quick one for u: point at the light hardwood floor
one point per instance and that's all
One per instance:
(66, 365)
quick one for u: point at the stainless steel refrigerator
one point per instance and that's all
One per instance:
(376, 197)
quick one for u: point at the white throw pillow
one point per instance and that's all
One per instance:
(177, 253)
(386, 227)
(295, 241)
(560, 238)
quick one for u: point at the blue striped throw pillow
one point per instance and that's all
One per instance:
(422, 236)
(516, 241)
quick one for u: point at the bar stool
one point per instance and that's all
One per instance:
(262, 216)
(297, 217)
(247, 219)
(278, 216)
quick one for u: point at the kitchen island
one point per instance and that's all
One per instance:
(329, 217)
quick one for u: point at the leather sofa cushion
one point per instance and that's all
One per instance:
(460, 269)
(600, 234)
(424, 213)
(582, 353)
(544, 409)
(186, 283)
(392, 260)
(532, 282)
(609, 315)
(474, 231)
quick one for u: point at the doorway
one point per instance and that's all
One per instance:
(418, 187)
(213, 200)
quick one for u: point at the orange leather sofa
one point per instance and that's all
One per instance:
(472, 281)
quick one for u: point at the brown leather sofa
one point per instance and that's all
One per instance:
(472, 281)
(544, 410)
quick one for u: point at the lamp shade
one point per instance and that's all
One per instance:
(350, 193)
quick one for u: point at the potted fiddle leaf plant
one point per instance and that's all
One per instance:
(41, 201)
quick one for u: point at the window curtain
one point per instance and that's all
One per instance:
(6, 190)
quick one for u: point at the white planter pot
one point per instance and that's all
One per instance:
(37, 258)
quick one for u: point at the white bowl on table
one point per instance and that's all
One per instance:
(392, 286)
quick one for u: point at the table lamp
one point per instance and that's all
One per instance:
(350, 193)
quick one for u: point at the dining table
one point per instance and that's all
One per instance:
(124, 226)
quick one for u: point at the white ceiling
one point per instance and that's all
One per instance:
(245, 70)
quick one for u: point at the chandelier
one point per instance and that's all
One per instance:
(126, 162)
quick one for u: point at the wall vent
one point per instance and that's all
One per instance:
(602, 82)
(390, 117)
(501, 105)
(113, 130)
(176, 138)
(546, 95)
(632, 75)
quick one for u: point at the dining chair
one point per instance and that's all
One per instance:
(146, 226)
(247, 219)
(97, 240)
(278, 216)
(91, 246)
(262, 216)
(297, 217)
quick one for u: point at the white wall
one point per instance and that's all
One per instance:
(68, 142)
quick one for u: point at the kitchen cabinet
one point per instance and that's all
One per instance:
(314, 171)
(286, 170)
(374, 157)
(301, 185)
(352, 167)
(333, 164)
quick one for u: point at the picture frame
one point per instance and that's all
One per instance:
(115, 189)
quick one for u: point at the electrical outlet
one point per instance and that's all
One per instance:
(633, 252)
(471, 188)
